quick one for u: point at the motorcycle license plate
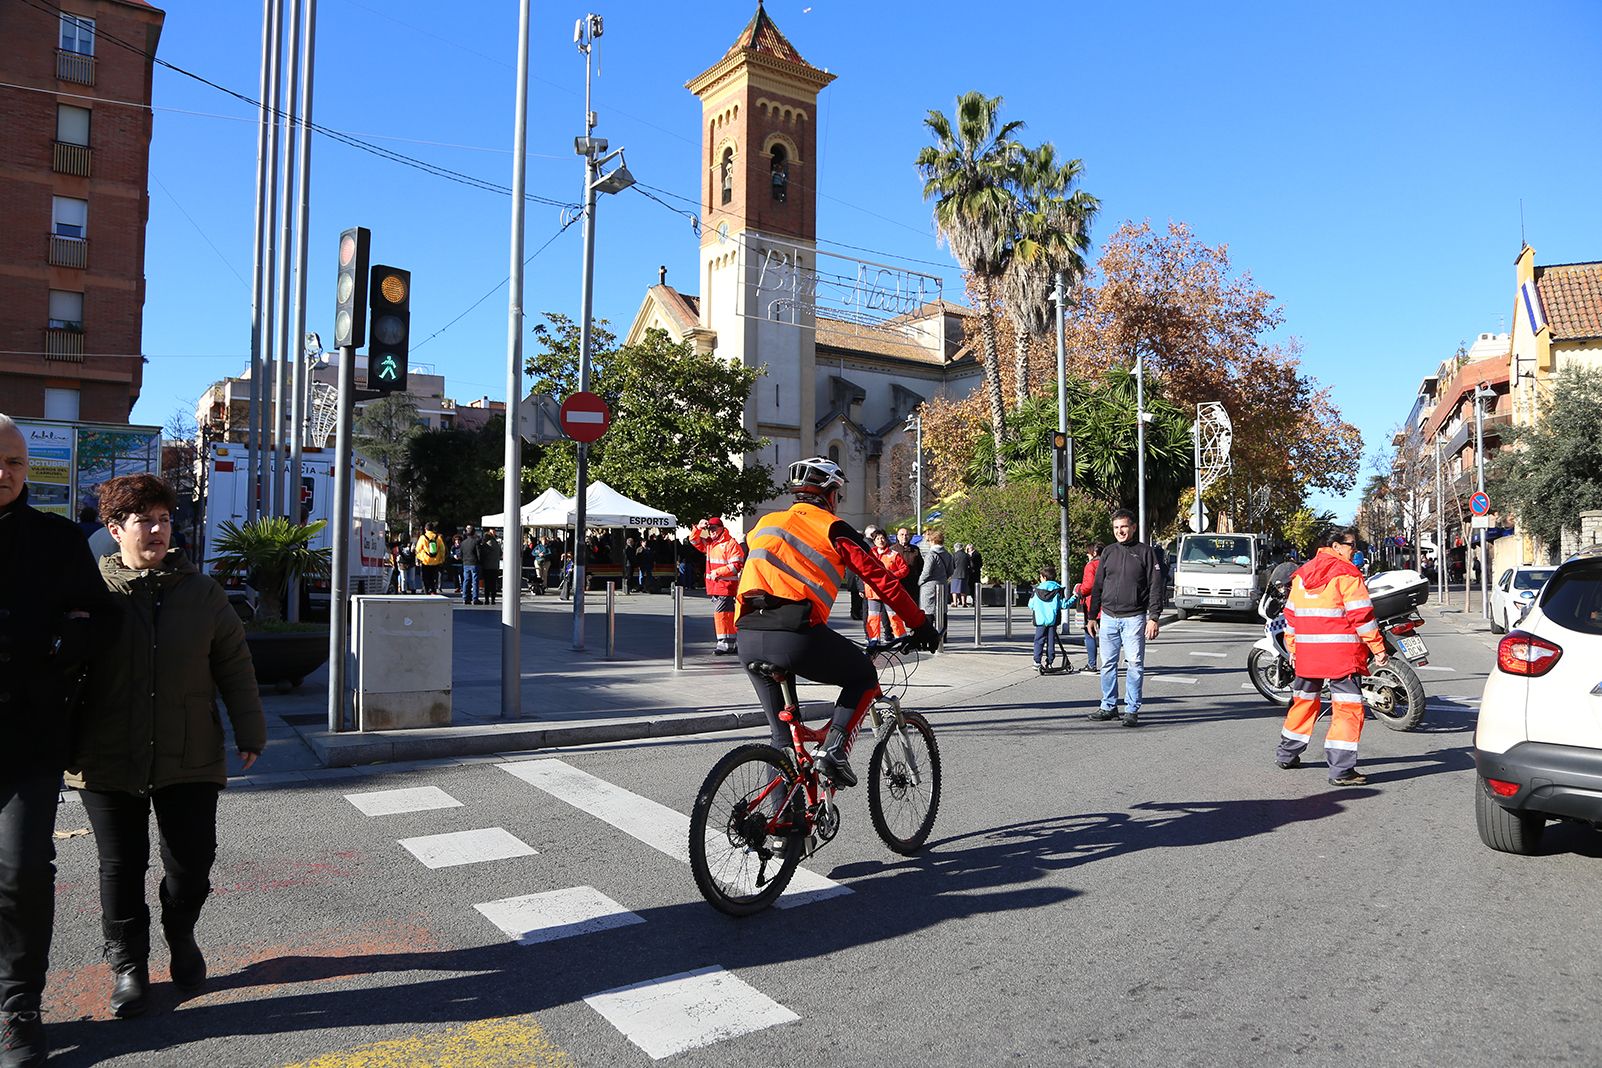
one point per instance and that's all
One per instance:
(1413, 647)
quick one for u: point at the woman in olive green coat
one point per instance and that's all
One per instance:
(150, 736)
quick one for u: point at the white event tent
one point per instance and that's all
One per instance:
(603, 507)
(546, 510)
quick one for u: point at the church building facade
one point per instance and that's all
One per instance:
(842, 374)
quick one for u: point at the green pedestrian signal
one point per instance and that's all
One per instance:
(389, 303)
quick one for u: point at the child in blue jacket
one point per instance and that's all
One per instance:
(1047, 604)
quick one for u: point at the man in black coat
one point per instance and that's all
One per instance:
(49, 592)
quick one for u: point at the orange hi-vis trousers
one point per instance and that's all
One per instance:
(1345, 721)
(723, 618)
(877, 611)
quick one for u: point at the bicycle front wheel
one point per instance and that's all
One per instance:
(739, 867)
(904, 784)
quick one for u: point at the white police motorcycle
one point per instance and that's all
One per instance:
(1392, 691)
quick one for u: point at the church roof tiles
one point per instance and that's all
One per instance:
(761, 35)
(1572, 296)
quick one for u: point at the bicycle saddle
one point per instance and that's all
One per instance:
(763, 667)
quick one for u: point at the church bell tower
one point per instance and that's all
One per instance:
(759, 224)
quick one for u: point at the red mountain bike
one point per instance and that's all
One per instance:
(763, 809)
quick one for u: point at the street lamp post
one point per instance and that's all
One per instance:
(511, 490)
(593, 149)
(1058, 296)
(1140, 441)
(1482, 392)
(915, 424)
(1440, 522)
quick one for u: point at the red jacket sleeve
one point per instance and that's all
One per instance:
(864, 563)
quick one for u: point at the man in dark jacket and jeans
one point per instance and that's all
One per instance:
(48, 592)
(1128, 591)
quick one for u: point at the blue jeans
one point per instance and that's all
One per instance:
(1127, 635)
(1090, 650)
(469, 583)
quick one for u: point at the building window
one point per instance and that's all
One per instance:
(66, 310)
(781, 173)
(77, 34)
(726, 174)
(69, 217)
(834, 453)
(60, 403)
(72, 125)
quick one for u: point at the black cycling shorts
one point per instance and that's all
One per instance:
(817, 654)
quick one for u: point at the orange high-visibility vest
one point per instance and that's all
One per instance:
(790, 556)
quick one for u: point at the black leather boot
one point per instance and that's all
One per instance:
(127, 950)
(22, 1037)
(178, 924)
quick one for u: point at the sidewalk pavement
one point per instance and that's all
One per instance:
(582, 698)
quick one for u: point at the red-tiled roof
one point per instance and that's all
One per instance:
(1572, 295)
(761, 35)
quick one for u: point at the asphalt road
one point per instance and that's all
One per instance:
(1091, 895)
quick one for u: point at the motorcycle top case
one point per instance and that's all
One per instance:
(1396, 593)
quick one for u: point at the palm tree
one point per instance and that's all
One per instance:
(969, 172)
(268, 553)
(1053, 234)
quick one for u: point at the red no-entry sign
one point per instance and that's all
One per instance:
(585, 417)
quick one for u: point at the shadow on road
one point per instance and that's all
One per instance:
(998, 870)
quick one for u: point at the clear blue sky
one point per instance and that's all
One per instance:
(1365, 162)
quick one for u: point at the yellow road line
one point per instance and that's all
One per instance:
(508, 1042)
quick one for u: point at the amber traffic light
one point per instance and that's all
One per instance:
(390, 301)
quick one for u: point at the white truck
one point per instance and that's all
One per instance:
(1220, 572)
(227, 489)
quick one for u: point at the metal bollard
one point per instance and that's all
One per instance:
(1007, 595)
(678, 627)
(940, 613)
(978, 614)
(611, 619)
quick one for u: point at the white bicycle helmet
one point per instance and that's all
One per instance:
(819, 475)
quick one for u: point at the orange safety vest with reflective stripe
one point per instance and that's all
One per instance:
(1329, 619)
(790, 556)
(724, 558)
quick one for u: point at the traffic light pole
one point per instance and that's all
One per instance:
(511, 499)
(339, 593)
(253, 454)
(917, 480)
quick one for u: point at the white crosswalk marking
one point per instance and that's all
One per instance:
(1434, 667)
(689, 1010)
(1215, 656)
(1183, 680)
(391, 802)
(467, 847)
(655, 824)
(535, 918)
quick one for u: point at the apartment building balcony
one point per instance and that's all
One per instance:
(75, 67)
(1463, 436)
(64, 343)
(70, 159)
(69, 252)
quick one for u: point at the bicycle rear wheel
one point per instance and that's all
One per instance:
(739, 867)
(904, 784)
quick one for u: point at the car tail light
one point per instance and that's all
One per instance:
(1525, 654)
(1502, 789)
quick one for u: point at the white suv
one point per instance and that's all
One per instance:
(1538, 744)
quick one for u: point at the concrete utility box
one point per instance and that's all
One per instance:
(402, 652)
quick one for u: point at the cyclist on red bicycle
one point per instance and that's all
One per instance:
(795, 563)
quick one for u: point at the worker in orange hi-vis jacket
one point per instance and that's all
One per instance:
(1330, 634)
(895, 563)
(725, 559)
